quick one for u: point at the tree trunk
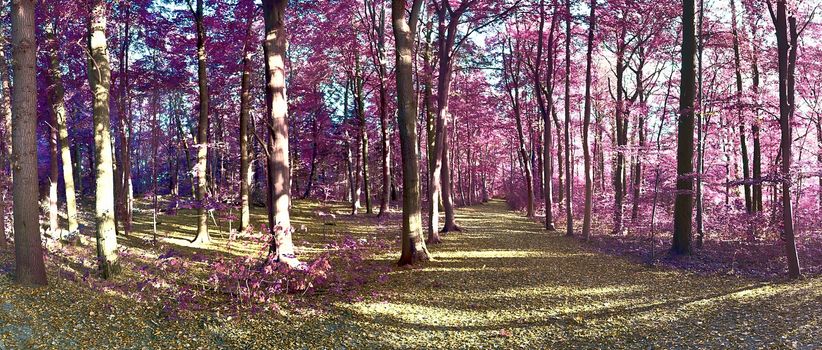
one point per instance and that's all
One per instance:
(586, 124)
(245, 108)
(431, 124)
(460, 182)
(279, 175)
(683, 205)
(356, 205)
(757, 204)
(637, 171)
(537, 148)
(620, 137)
(100, 83)
(54, 173)
(569, 178)
(545, 112)
(124, 113)
(599, 153)
(77, 157)
(155, 140)
(560, 152)
(786, 145)
(386, 150)
(359, 94)
(470, 169)
(5, 110)
(756, 200)
(314, 150)
(174, 173)
(28, 249)
(118, 181)
(181, 135)
(413, 245)
(819, 155)
(202, 236)
(353, 191)
(786, 46)
(743, 150)
(743, 145)
(435, 186)
(59, 111)
(352, 182)
(512, 66)
(380, 60)
(447, 39)
(700, 135)
(750, 201)
(636, 175)
(3, 241)
(657, 171)
(448, 186)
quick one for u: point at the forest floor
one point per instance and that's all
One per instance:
(502, 282)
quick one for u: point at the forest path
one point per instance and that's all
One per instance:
(505, 282)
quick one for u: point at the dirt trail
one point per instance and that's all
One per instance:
(504, 282)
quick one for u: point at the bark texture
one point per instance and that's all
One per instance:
(279, 174)
(202, 130)
(586, 124)
(413, 245)
(28, 249)
(684, 202)
(58, 107)
(100, 82)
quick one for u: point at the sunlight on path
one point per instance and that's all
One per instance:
(506, 282)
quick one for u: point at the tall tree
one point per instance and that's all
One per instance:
(448, 22)
(569, 178)
(750, 200)
(99, 74)
(683, 205)
(545, 111)
(700, 121)
(430, 117)
(513, 69)
(28, 249)
(155, 145)
(125, 185)
(756, 200)
(786, 42)
(586, 123)
(351, 168)
(642, 96)
(5, 111)
(58, 108)
(202, 125)
(621, 132)
(375, 13)
(413, 245)
(54, 173)
(359, 97)
(743, 144)
(245, 108)
(279, 173)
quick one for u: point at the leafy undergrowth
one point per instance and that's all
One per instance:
(761, 259)
(501, 283)
(173, 281)
(730, 246)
